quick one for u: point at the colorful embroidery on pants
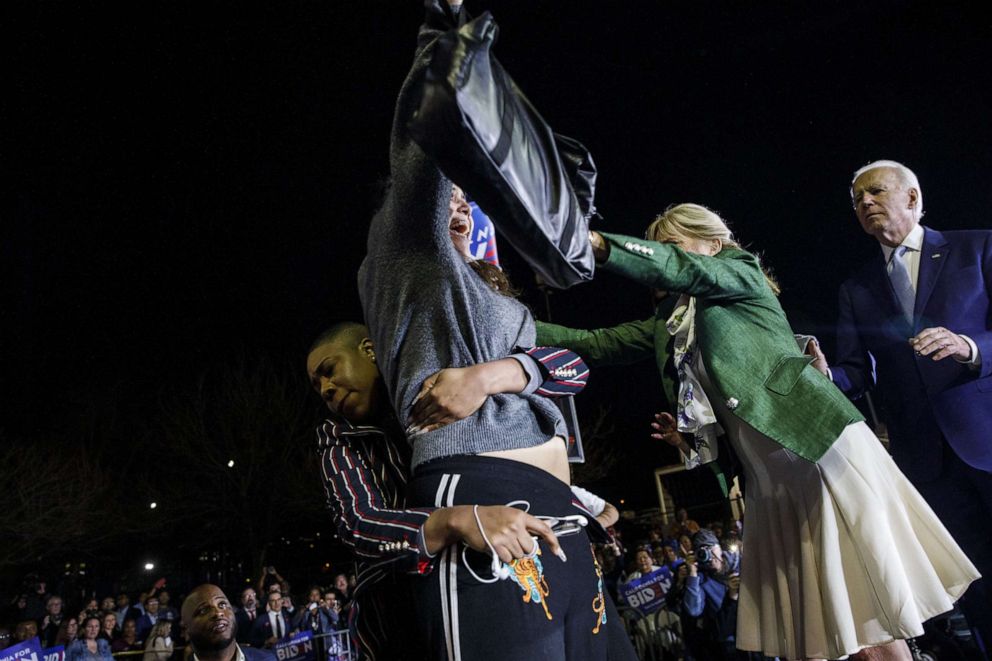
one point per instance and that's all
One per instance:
(528, 573)
(598, 602)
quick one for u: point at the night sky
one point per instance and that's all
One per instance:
(192, 181)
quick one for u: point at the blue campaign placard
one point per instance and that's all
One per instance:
(647, 593)
(482, 242)
(29, 650)
(298, 648)
(56, 653)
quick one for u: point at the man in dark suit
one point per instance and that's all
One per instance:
(148, 620)
(273, 625)
(246, 615)
(212, 628)
(916, 323)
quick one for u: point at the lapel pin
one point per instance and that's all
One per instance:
(935, 255)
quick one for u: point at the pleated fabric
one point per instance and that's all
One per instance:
(840, 554)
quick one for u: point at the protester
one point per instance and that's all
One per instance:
(363, 450)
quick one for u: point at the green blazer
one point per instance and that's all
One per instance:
(746, 342)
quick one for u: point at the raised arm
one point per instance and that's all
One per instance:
(731, 275)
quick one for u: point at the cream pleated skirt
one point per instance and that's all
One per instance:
(838, 555)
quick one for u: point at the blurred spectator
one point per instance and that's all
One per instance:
(246, 615)
(287, 605)
(685, 546)
(148, 620)
(67, 632)
(271, 580)
(707, 600)
(6, 638)
(332, 608)
(314, 616)
(35, 598)
(89, 646)
(125, 611)
(273, 626)
(107, 604)
(643, 565)
(343, 587)
(158, 647)
(108, 626)
(165, 611)
(91, 609)
(686, 525)
(670, 558)
(212, 628)
(128, 640)
(25, 630)
(52, 620)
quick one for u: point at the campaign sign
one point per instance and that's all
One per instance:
(29, 650)
(298, 648)
(647, 593)
(482, 242)
(56, 653)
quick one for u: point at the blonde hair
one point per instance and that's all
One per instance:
(694, 221)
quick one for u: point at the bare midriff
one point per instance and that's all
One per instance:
(549, 456)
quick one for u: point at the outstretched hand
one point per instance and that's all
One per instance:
(666, 430)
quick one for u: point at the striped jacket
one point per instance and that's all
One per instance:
(364, 474)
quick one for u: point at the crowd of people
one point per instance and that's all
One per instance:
(700, 588)
(149, 626)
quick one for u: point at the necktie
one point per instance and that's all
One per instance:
(901, 284)
(278, 625)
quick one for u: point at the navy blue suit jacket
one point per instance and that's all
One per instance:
(923, 400)
(262, 629)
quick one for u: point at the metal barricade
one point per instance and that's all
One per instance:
(655, 637)
(337, 646)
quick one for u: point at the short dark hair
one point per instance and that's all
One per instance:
(349, 330)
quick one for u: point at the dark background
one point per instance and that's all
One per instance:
(192, 182)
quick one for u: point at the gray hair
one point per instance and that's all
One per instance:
(907, 176)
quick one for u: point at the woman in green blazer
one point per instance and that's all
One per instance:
(842, 553)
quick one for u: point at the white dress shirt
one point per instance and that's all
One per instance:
(911, 260)
(274, 617)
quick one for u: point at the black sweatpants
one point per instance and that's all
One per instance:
(547, 609)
